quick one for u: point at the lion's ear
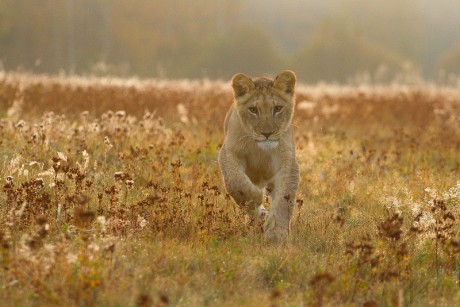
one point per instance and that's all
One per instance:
(242, 84)
(285, 82)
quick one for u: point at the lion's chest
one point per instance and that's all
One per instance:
(261, 169)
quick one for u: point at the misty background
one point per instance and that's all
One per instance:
(328, 40)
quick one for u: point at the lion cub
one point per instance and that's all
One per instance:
(259, 151)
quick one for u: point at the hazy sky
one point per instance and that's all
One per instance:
(206, 38)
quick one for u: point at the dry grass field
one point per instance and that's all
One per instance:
(111, 195)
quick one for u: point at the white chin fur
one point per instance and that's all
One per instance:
(267, 144)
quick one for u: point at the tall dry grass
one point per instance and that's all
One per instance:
(111, 195)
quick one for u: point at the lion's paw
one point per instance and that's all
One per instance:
(277, 234)
(261, 212)
(273, 231)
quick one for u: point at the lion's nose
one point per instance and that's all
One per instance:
(267, 134)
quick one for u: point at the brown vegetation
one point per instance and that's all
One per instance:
(111, 195)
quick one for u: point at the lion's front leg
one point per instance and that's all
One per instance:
(277, 225)
(238, 184)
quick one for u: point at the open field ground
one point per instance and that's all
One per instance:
(111, 195)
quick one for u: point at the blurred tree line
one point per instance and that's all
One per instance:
(331, 40)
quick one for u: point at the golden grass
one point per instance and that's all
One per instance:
(111, 195)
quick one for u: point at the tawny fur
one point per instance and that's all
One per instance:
(259, 151)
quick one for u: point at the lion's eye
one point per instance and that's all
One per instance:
(253, 110)
(277, 109)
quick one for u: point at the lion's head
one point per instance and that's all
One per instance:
(265, 106)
